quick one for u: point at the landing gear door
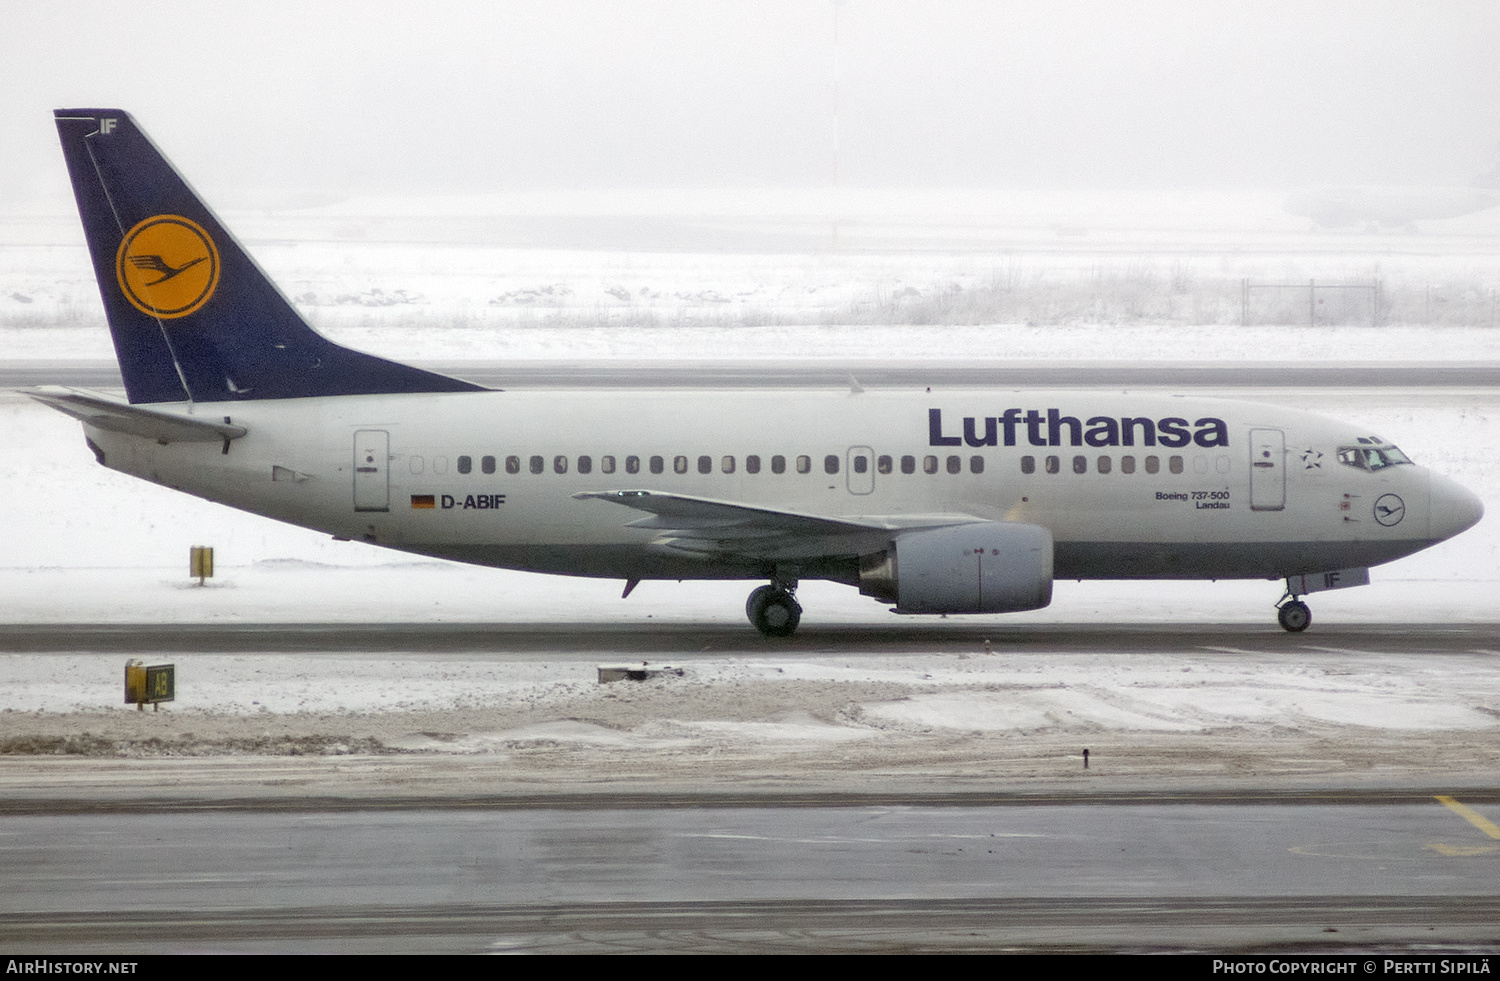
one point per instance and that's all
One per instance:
(861, 470)
(1267, 470)
(372, 480)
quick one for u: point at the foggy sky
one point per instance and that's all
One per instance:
(422, 96)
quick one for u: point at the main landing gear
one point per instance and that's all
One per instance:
(773, 610)
(1293, 614)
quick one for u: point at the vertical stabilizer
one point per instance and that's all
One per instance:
(193, 317)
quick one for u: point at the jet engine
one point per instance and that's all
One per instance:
(984, 567)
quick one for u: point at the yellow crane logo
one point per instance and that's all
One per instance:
(167, 266)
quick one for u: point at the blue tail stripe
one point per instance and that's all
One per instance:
(192, 329)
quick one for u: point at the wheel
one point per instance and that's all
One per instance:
(757, 600)
(774, 612)
(1294, 616)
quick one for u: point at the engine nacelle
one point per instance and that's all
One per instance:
(985, 567)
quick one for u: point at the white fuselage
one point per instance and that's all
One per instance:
(1155, 487)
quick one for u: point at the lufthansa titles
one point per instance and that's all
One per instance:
(1052, 428)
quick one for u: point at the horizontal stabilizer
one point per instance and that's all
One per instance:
(103, 412)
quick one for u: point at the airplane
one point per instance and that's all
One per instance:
(929, 501)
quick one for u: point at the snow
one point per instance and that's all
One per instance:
(817, 344)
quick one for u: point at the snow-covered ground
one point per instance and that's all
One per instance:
(841, 344)
(1314, 715)
(83, 544)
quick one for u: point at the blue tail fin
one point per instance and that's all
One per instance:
(193, 317)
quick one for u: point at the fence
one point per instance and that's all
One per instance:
(1352, 302)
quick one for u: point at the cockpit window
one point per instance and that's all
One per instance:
(1371, 457)
(1385, 456)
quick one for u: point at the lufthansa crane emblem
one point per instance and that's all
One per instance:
(1389, 510)
(167, 266)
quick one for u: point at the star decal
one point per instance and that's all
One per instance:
(1312, 460)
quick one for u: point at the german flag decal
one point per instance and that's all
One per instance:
(423, 501)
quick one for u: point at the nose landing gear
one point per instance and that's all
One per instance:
(1293, 615)
(773, 610)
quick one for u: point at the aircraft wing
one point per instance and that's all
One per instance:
(103, 412)
(724, 528)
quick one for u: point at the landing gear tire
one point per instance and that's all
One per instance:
(1294, 616)
(773, 611)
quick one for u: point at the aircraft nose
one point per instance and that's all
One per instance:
(1455, 508)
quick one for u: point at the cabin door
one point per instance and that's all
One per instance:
(372, 479)
(1267, 470)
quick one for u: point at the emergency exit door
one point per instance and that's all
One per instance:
(372, 480)
(861, 470)
(1267, 470)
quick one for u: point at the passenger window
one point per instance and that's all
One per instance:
(538, 464)
(658, 464)
(883, 465)
(804, 464)
(606, 464)
(929, 464)
(727, 464)
(1200, 463)
(1054, 465)
(1080, 464)
(487, 464)
(1028, 464)
(512, 464)
(585, 464)
(1221, 464)
(1175, 464)
(976, 464)
(465, 464)
(752, 464)
(778, 464)
(1153, 465)
(908, 464)
(415, 464)
(559, 464)
(830, 464)
(1127, 464)
(439, 464)
(632, 464)
(955, 465)
(679, 464)
(1104, 464)
(861, 464)
(705, 464)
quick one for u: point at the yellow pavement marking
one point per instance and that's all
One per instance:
(1460, 850)
(1470, 815)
